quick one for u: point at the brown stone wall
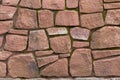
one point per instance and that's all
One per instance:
(59, 38)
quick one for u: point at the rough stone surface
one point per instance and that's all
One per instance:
(113, 17)
(92, 21)
(106, 37)
(97, 54)
(38, 40)
(80, 44)
(81, 63)
(46, 19)
(23, 65)
(67, 18)
(10, 2)
(15, 43)
(57, 31)
(59, 39)
(26, 19)
(90, 6)
(2, 69)
(64, 55)
(56, 69)
(21, 32)
(43, 53)
(112, 5)
(5, 26)
(6, 12)
(80, 33)
(72, 3)
(54, 4)
(5, 55)
(107, 67)
(46, 60)
(31, 3)
(60, 44)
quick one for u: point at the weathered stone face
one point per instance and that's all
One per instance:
(57, 31)
(90, 6)
(7, 12)
(54, 4)
(106, 37)
(2, 69)
(107, 67)
(27, 19)
(80, 33)
(67, 18)
(46, 19)
(15, 43)
(56, 69)
(113, 17)
(46, 60)
(92, 21)
(38, 40)
(5, 26)
(72, 3)
(31, 3)
(97, 54)
(10, 2)
(60, 44)
(81, 63)
(23, 65)
(4, 55)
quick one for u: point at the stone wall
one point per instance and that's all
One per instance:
(59, 38)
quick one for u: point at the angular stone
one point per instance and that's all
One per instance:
(15, 43)
(92, 21)
(43, 53)
(38, 40)
(113, 17)
(64, 55)
(90, 6)
(106, 37)
(81, 63)
(111, 0)
(5, 26)
(67, 18)
(27, 19)
(5, 55)
(54, 4)
(56, 69)
(97, 54)
(80, 33)
(79, 44)
(1, 41)
(10, 2)
(72, 3)
(45, 19)
(60, 44)
(112, 5)
(2, 69)
(6, 12)
(22, 65)
(107, 67)
(31, 3)
(57, 31)
(46, 60)
(21, 32)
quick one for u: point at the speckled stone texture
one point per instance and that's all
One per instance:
(59, 39)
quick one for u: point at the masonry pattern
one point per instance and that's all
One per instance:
(59, 38)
